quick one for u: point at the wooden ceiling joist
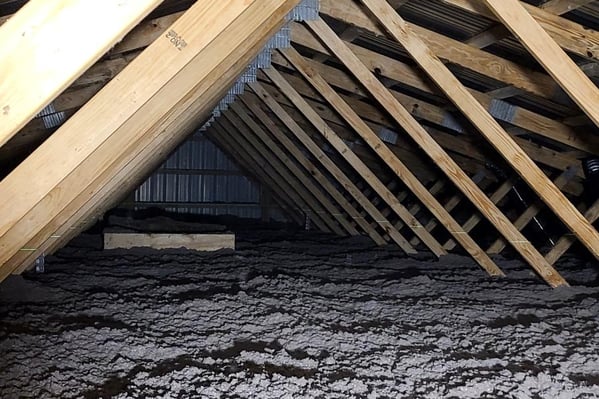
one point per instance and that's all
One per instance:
(332, 168)
(437, 154)
(49, 44)
(164, 74)
(549, 54)
(398, 167)
(485, 123)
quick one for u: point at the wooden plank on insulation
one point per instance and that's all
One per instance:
(198, 242)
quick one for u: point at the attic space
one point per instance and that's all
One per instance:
(299, 199)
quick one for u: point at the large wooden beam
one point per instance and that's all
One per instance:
(485, 123)
(48, 44)
(398, 167)
(436, 153)
(555, 61)
(187, 73)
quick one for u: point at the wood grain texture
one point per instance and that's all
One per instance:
(112, 151)
(485, 123)
(549, 54)
(198, 242)
(48, 44)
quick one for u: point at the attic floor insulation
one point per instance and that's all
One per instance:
(295, 316)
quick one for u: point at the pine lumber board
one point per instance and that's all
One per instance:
(198, 242)
(550, 55)
(46, 45)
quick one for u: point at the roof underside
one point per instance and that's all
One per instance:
(311, 128)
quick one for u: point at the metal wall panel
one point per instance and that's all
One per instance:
(199, 178)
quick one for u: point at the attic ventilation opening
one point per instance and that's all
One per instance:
(51, 117)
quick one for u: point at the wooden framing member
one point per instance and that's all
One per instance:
(144, 117)
(359, 166)
(453, 51)
(530, 213)
(398, 167)
(326, 184)
(321, 197)
(436, 153)
(555, 61)
(48, 44)
(333, 169)
(485, 123)
(410, 76)
(424, 111)
(566, 241)
(568, 34)
(278, 171)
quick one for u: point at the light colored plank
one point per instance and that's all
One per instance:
(48, 44)
(198, 242)
(196, 84)
(436, 153)
(555, 61)
(398, 167)
(485, 123)
(332, 168)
